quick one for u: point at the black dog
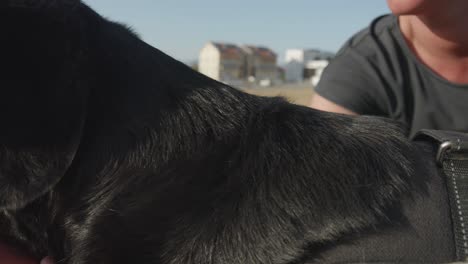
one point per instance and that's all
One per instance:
(113, 152)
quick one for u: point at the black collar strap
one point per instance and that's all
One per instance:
(452, 157)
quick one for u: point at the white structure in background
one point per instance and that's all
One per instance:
(315, 69)
(305, 65)
(294, 71)
(223, 62)
(235, 65)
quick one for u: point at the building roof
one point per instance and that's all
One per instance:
(233, 51)
(229, 51)
(263, 53)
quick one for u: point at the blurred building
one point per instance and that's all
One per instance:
(261, 65)
(236, 65)
(305, 65)
(223, 62)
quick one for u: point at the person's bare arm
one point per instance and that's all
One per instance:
(320, 103)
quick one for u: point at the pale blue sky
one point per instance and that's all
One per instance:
(181, 28)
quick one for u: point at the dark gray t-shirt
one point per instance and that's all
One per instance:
(375, 73)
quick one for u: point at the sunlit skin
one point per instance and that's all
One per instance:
(412, 7)
(436, 32)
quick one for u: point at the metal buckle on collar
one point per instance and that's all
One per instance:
(444, 148)
(451, 144)
(452, 147)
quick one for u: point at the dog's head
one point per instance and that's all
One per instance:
(42, 96)
(78, 89)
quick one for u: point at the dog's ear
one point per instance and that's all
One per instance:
(42, 100)
(35, 4)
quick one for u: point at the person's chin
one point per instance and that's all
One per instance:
(408, 7)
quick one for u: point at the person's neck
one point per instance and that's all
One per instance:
(439, 42)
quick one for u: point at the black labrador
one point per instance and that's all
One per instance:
(113, 152)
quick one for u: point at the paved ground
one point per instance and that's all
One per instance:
(295, 93)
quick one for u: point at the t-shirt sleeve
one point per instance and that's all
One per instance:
(351, 80)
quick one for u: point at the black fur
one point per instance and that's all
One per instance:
(113, 152)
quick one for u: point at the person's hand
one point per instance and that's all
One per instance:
(11, 256)
(47, 260)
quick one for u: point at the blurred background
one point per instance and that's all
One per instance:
(263, 47)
